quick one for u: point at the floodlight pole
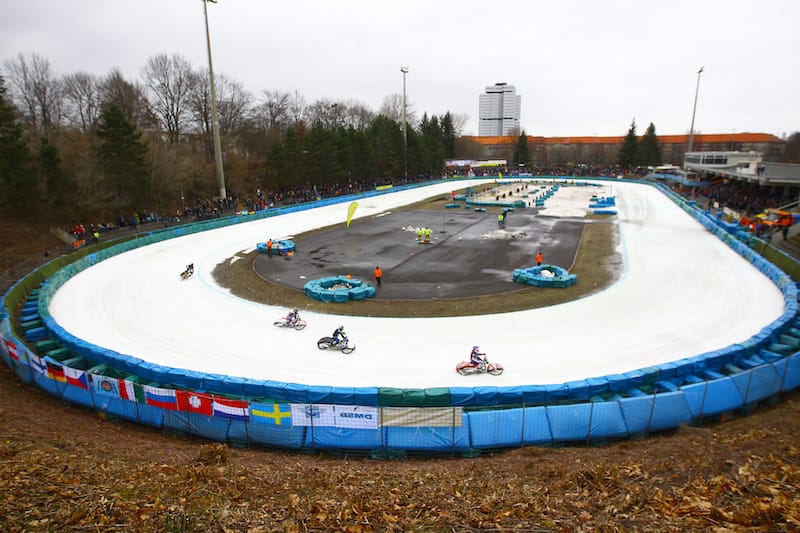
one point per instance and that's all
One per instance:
(214, 115)
(694, 109)
(404, 70)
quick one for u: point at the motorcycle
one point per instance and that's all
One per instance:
(297, 323)
(186, 274)
(327, 343)
(466, 368)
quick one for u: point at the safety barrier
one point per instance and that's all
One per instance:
(461, 420)
(283, 247)
(545, 276)
(338, 289)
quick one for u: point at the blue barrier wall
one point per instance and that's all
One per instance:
(369, 419)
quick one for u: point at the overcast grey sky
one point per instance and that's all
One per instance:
(582, 67)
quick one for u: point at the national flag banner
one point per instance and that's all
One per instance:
(158, 397)
(37, 364)
(235, 409)
(117, 387)
(22, 353)
(195, 402)
(76, 377)
(12, 350)
(421, 416)
(105, 385)
(278, 414)
(356, 416)
(55, 371)
(313, 414)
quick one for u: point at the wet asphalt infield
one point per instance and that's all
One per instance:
(468, 254)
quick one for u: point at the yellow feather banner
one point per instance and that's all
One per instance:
(350, 211)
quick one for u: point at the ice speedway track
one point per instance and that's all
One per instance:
(683, 293)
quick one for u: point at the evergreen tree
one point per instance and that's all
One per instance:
(629, 148)
(521, 154)
(385, 147)
(59, 187)
(649, 152)
(428, 151)
(448, 136)
(17, 187)
(121, 154)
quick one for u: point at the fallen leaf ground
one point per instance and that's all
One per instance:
(64, 468)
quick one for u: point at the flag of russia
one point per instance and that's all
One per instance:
(163, 398)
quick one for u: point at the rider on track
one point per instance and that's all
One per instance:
(292, 317)
(339, 335)
(476, 357)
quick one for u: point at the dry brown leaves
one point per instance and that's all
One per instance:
(64, 469)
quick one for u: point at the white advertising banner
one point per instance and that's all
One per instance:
(341, 416)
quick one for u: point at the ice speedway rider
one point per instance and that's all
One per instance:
(189, 271)
(339, 335)
(477, 358)
(292, 317)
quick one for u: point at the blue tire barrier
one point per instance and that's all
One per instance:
(555, 276)
(338, 289)
(604, 211)
(278, 247)
(634, 404)
(600, 203)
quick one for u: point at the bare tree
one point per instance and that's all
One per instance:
(82, 100)
(36, 91)
(274, 111)
(357, 115)
(169, 81)
(233, 104)
(392, 107)
(459, 120)
(329, 114)
(116, 90)
(297, 108)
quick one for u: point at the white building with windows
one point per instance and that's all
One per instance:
(499, 111)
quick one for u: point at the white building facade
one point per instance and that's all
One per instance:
(499, 111)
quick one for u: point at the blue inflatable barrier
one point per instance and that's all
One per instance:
(633, 403)
(278, 247)
(338, 289)
(545, 276)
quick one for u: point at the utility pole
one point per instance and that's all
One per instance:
(694, 109)
(404, 70)
(214, 115)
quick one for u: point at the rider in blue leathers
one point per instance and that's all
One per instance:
(339, 335)
(476, 357)
(292, 317)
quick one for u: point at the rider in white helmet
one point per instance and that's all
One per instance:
(339, 335)
(476, 357)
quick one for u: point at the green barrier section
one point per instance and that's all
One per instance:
(433, 397)
(781, 260)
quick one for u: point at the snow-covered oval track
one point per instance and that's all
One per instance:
(683, 293)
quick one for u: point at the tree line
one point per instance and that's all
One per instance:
(81, 145)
